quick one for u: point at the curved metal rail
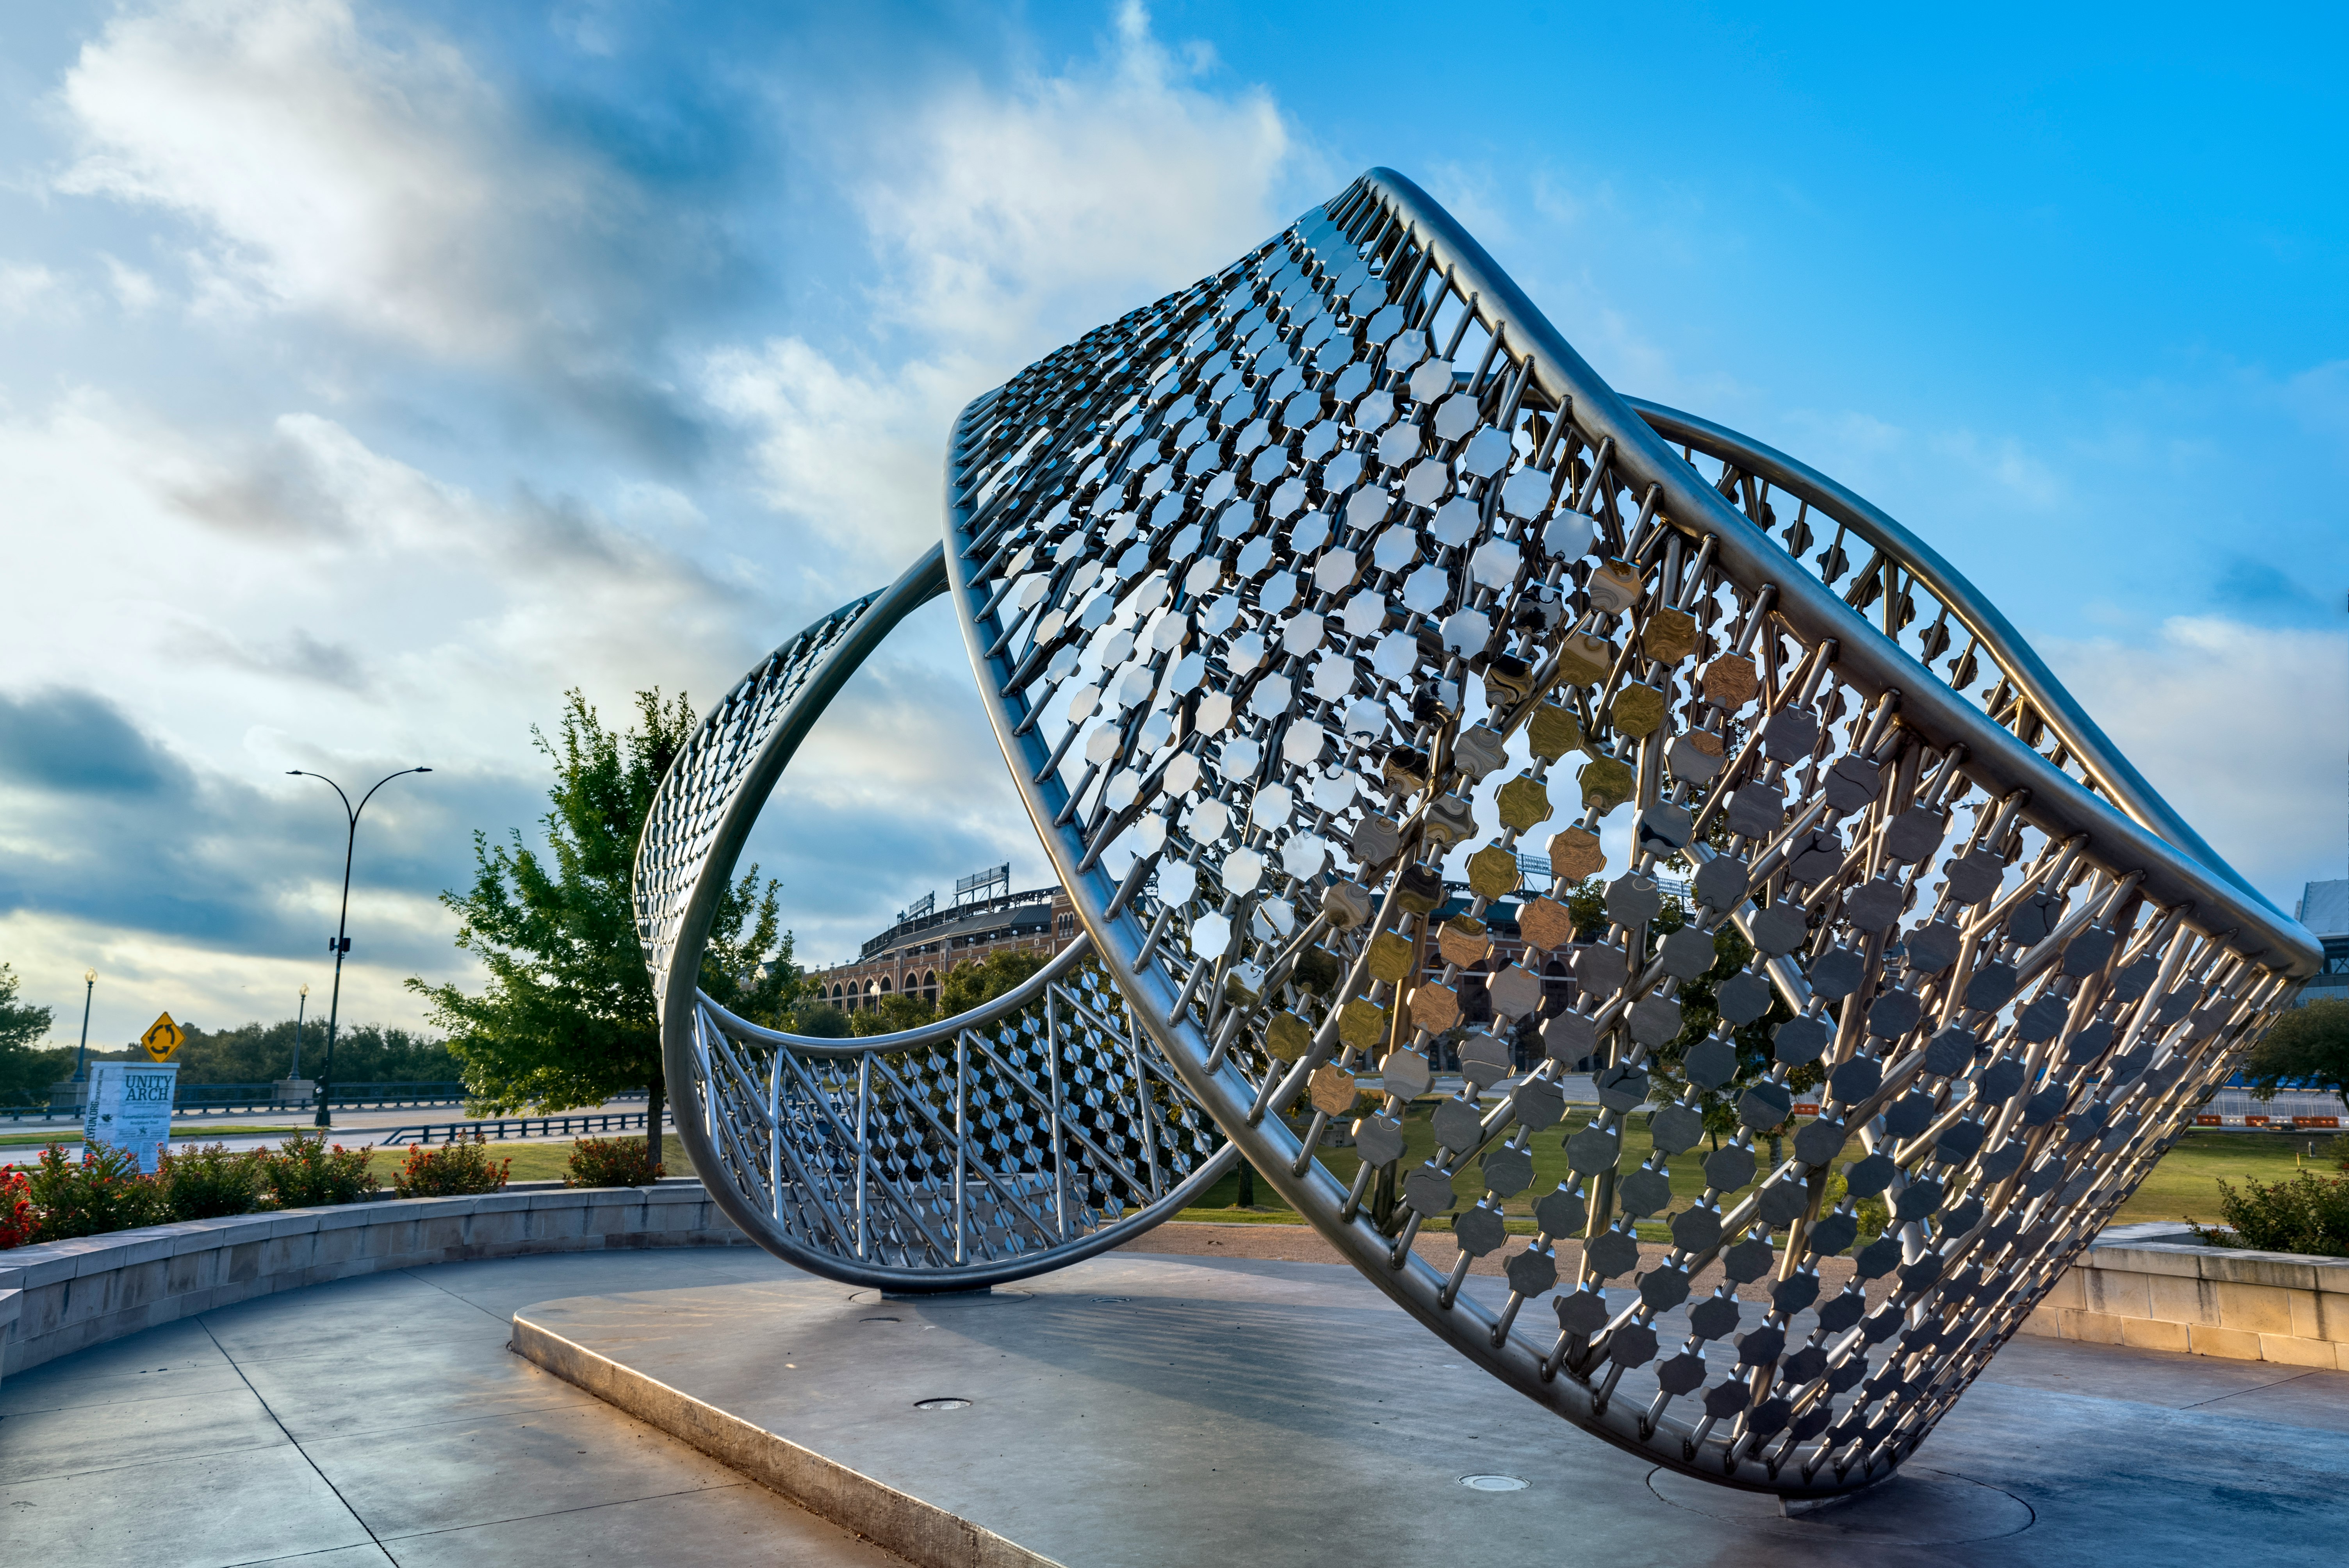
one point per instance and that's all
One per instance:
(1290, 586)
(1897, 571)
(1022, 1134)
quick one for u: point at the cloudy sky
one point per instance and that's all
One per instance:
(371, 373)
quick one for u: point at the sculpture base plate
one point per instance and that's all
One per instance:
(1152, 1409)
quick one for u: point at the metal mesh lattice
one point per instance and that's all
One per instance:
(1340, 568)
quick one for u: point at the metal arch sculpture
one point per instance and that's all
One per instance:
(1303, 584)
(1020, 1136)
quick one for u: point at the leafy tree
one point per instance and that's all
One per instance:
(259, 1053)
(2307, 1045)
(20, 1023)
(969, 982)
(25, 1073)
(966, 985)
(1701, 1014)
(900, 1011)
(823, 1020)
(567, 1019)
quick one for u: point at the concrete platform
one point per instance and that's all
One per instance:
(1142, 1409)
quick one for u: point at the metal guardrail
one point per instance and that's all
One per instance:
(250, 1099)
(522, 1127)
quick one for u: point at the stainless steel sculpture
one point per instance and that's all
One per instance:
(1026, 1134)
(1303, 586)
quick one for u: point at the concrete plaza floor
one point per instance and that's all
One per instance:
(1139, 1409)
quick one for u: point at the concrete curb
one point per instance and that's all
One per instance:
(921, 1532)
(62, 1296)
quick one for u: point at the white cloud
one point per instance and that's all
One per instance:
(28, 290)
(215, 590)
(330, 170)
(134, 289)
(997, 214)
(1002, 223)
(853, 454)
(2240, 727)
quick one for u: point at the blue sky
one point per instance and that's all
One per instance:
(371, 373)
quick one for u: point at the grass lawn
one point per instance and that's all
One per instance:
(2183, 1186)
(534, 1162)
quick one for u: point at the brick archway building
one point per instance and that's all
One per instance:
(915, 955)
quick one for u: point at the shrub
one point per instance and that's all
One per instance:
(103, 1190)
(17, 1222)
(208, 1183)
(2308, 1214)
(450, 1171)
(1872, 1213)
(611, 1162)
(307, 1171)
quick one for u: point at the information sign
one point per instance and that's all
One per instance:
(131, 1107)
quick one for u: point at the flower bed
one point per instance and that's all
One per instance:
(59, 1197)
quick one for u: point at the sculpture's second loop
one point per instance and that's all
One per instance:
(1028, 1132)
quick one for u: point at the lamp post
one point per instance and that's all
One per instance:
(302, 1002)
(89, 989)
(340, 943)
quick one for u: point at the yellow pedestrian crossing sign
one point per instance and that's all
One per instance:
(162, 1037)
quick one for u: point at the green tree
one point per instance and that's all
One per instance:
(567, 1019)
(2307, 1045)
(257, 1053)
(891, 1013)
(966, 985)
(822, 1020)
(25, 1073)
(969, 983)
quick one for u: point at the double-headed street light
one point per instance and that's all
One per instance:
(340, 943)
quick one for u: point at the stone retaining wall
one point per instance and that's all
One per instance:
(2158, 1287)
(61, 1296)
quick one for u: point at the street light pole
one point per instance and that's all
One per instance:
(299, 1006)
(89, 989)
(341, 942)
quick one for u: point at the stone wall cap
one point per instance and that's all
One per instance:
(499, 1202)
(2289, 1270)
(46, 1262)
(2157, 1248)
(2154, 1258)
(130, 1248)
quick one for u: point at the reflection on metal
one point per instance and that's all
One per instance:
(1339, 572)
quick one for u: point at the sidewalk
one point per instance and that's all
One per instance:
(1138, 1409)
